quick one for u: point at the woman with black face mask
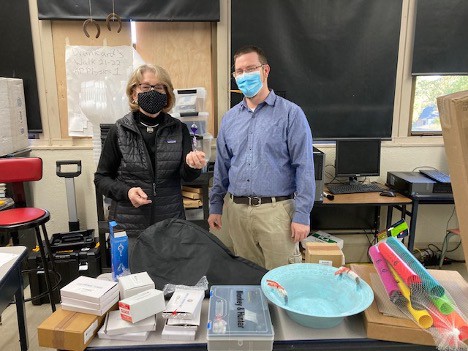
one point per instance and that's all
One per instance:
(145, 156)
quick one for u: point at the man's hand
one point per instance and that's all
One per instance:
(138, 197)
(214, 220)
(196, 159)
(299, 231)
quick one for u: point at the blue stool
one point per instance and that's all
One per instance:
(450, 233)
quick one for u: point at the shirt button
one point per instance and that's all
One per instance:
(248, 180)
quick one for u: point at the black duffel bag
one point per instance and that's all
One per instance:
(176, 251)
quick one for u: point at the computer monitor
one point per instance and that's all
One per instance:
(356, 158)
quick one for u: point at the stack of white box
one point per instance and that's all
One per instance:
(183, 314)
(139, 304)
(14, 130)
(89, 295)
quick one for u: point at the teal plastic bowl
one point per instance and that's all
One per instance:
(317, 298)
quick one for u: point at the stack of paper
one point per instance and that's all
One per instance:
(183, 315)
(192, 197)
(116, 328)
(89, 295)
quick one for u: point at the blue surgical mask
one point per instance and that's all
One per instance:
(250, 83)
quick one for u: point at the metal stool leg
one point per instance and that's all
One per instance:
(45, 266)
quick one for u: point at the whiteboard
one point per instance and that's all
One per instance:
(96, 81)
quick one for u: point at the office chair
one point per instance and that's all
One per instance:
(14, 172)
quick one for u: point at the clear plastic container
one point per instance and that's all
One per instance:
(238, 319)
(200, 119)
(189, 100)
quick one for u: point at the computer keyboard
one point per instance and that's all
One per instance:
(354, 188)
(436, 175)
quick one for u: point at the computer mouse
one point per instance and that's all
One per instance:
(387, 193)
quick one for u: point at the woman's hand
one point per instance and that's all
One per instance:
(196, 159)
(138, 197)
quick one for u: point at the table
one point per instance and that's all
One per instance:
(369, 199)
(349, 335)
(398, 202)
(416, 200)
(11, 284)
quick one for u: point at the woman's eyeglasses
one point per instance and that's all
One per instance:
(160, 88)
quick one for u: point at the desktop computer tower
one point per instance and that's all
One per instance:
(319, 166)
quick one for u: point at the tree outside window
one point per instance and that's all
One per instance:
(425, 119)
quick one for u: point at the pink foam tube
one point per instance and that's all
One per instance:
(389, 283)
(403, 270)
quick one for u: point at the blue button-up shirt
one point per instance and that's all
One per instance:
(266, 152)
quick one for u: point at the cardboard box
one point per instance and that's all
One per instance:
(324, 253)
(322, 237)
(381, 327)
(119, 251)
(142, 305)
(114, 325)
(133, 284)
(90, 289)
(184, 304)
(67, 330)
(14, 130)
(453, 112)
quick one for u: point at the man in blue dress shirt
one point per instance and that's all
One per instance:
(265, 164)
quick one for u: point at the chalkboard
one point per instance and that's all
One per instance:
(337, 59)
(440, 38)
(17, 56)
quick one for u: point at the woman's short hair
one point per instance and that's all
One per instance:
(163, 78)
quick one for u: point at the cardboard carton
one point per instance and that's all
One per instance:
(453, 112)
(133, 284)
(14, 130)
(119, 251)
(67, 330)
(142, 305)
(90, 289)
(324, 253)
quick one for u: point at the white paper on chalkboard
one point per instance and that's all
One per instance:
(96, 80)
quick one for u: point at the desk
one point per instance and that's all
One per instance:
(369, 199)
(431, 199)
(11, 284)
(349, 335)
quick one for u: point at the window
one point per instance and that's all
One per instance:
(425, 118)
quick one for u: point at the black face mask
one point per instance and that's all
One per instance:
(152, 102)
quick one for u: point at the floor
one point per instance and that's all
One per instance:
(35, 314)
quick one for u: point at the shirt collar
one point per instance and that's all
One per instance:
(270, 100)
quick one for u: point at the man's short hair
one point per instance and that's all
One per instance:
(251, 48)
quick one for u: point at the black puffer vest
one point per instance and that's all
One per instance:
(136, 170)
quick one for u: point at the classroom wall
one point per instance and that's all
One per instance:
(402, 153)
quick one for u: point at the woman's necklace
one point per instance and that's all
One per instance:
(149, 129)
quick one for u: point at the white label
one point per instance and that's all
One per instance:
(325, 262)
(90, 331)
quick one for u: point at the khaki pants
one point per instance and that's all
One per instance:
(262, 234)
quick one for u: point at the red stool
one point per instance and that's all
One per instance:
(14, 172)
